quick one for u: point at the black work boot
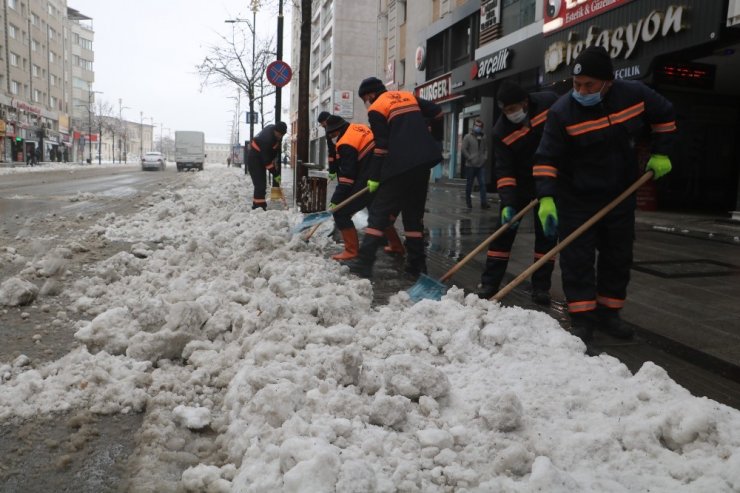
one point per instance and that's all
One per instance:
(486, 291)
(362, 265)
(609, 321)
(582, 325)
(541, 296)
(416, 263)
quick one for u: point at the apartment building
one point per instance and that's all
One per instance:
(80, 78)
(343, 48)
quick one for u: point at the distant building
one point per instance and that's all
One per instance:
(217, 153)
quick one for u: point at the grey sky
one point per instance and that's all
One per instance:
(146, 52)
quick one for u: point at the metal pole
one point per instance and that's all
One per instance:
(278, 89)
(255, 6)
(141, 134)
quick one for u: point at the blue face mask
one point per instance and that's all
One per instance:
(589, 99)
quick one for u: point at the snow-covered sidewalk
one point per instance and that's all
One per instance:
(220, 320)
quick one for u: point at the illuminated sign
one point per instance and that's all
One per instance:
(561, 14)
(488, 67)
(438, 90)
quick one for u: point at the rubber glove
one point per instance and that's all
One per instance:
(373, 185)
(507, 214)
(332, 205)
(276, 180)
(332, 176)
(548, 215)
(660, 165)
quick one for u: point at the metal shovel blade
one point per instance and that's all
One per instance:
(311, 219)
(426, 288)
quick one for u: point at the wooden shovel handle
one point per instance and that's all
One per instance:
(504, 227)
(335, 209)
(571, 237)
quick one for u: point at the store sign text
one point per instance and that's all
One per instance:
(619, 42)
(437, 90)
(488, 67)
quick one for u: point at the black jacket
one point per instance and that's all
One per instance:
(407, 131)
(587, 154)
(514, 145)
(263, 149)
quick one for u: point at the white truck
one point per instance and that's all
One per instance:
(190, 150)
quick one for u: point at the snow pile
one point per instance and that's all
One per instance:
(263, 367)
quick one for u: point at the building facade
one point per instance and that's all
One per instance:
(80, 77)
(343, 51)
(33, 96)
(217, 153)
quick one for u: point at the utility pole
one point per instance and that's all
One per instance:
(255, 7)
(303, 79)
(141, 134)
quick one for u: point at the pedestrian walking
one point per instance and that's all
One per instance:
(261, 158)
(407, 132)
(516, 135)
(475, 151)
(585, 159)
(37, 155)
(65, 154)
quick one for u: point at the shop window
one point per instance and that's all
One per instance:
(516, 14)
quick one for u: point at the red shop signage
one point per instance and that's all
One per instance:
(561, 14)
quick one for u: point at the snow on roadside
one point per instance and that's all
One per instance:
(218, 319)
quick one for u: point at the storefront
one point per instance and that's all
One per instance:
(478, 82)
(439, 90)
(685, 52)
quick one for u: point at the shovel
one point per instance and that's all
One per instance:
(571, 237)
(431, 289)
(316, 218)
(276, 193)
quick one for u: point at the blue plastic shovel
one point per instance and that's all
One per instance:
(427, 288)
(316, 218)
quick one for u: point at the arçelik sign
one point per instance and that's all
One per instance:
(491, 65)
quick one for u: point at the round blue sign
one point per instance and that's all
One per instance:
(279, 73)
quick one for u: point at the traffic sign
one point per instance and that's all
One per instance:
(252, 117)
(279, 73)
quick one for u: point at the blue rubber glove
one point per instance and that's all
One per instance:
(373, 185)
(332, 176)
(507, 214)
(548, 215)
(660, 165)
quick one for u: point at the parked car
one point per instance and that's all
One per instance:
(153, 160)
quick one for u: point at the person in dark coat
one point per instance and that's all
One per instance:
(405, 151)
(585, 159)
(516, 136)
(261, 158)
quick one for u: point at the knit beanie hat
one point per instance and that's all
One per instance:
(323, 116)
(510, 93)
(371, 84)
(281, 127)
(594, 62)
(335, 123)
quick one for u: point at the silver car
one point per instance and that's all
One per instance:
(153, 160)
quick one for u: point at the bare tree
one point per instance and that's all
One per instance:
(239, 61)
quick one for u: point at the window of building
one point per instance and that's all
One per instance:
(11, 31)
(34, 19)
(14, 87)
(34, 45)
(36, 95)
(401, 12)
(52, 56)
(52, 33)
(13, 4)
(460, 46)
(515, 14)
(436, 49)
(13, 59)
(53, 80)
(35, 70)
(326, 78)
(53, 102)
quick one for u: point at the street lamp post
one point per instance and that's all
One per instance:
(121, 139)
(141, 134)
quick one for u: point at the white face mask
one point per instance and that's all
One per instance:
(335, 139)
(368, 104)
(517, 117)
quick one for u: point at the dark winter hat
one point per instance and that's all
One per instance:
(371, 84)
(281, 127)
(335, 123)
(323, 116)
(510, 93)
(595, 62)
